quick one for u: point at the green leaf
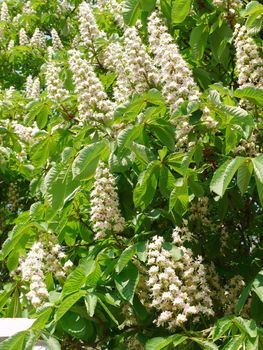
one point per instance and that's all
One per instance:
(78, 277)
(246, 326)
(40, 152)
(164, 131)
(243, 298)
(42, 319)
(126, 281)
(86, 161)
(148, 5)
(15, 342)
(125, 257)
(258, 167)
(243, 177)
(223, 176)
(108, 312)
(166, 181)
(234, 343)
(222, 326)
(205, 344)
(252, 93)
(91, 302)
(179, 197)
(147, 183)
(74, 325)
(159, 343)
(257, 285)
(251, 343)
(67, 303)
(252, 8)
(198, 40)
(180, 10)
(131, 11)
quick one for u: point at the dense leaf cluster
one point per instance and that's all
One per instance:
(47, 170)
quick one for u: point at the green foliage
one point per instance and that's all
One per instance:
(197, 168)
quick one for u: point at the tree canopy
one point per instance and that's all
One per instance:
(131, 173)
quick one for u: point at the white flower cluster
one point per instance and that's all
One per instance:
(9, 92)
(25, 133)
(56, 42)
(199, 210)
(133, 65)
(38, 39)
(4, 16)
(32, 272)
(105, 213)
(43, 257)
(88, 27)
(249, 63)
(23, 39)
(115, 8)
(93, 102)
(176, 77)
(11, 45)
(178, 288)
(32, 87)
(55, 89)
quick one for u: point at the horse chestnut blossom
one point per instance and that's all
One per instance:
(56, 42)
(32, 87)
(176, 77)
(114, 7)
(93, 103)
(55, 89)
(134, 67)
(105, 214)
(38, 39)
(23, 39)
(178, 288)
(44, 257)
(249, 63)
(88, 27)
(4, 15)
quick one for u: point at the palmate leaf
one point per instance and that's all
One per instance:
(16, 342)
(198, 40)
(67, 303)
(131, 11)
(180, 10)
(86, 161)
(252, 93)
(126, 281)
(159, 343)
(223, 176)
(205, 344)
(234, 343)
(147, 183)
(78, 277)
(125, 257)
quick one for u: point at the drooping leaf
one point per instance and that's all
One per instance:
(147, 183)
(131, 11)
(159, 343)
(126, 281)
(180, 10)
(224, 174)
(125, 257)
